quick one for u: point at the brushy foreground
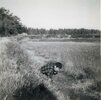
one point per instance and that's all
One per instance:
(20, 78)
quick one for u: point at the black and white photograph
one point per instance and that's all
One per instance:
(50, 50)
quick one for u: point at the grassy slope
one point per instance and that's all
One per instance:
(20, 62)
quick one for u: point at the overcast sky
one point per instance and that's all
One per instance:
(56, 13)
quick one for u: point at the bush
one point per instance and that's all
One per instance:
(10, 24)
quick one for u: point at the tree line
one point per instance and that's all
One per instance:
(67, 33)
(11, 25)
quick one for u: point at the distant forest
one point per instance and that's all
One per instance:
(11, 25)
(67, 33)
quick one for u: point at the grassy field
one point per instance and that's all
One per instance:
(80, 77)
(78, 80)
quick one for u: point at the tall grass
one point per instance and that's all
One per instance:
(20, 77)
(14, 69)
